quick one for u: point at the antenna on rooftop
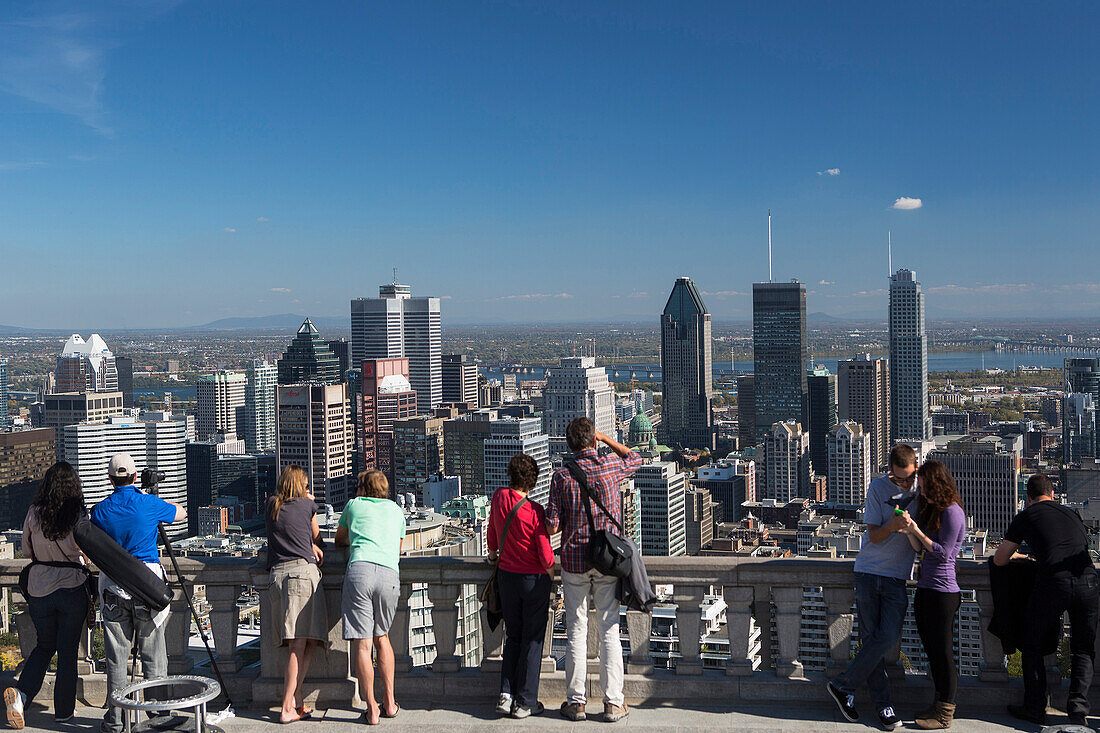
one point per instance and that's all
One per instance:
(889, 253)
(395, 276)
(770, 246)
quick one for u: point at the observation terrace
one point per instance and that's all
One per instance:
(748, 690)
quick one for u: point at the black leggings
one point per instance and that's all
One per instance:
(935, 614)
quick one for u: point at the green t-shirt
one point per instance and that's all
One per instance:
(375, 527)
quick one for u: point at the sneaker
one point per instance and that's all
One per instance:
(1078, 719)
(523, 711)
(67, 719)
(887, 718)
(504, 704)
(572, 711)
(1023, 713)
(614, 713)
(844, 701)
(13, 704)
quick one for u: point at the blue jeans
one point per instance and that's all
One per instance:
(59, 620)
(881, 603)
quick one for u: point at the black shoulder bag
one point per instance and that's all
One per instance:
(608, 552)
(490, 594)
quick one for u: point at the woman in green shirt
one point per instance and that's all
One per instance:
(373, 527)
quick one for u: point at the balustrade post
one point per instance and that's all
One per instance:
(399, 631)
(739, 628)
(788, 623)
(838, 616)
(993, 656)
(177, 631)
(224, 619)
(549, 663)
(762, 608)
(639, 627)
(689, 602)
(492, 644)
(444, 596)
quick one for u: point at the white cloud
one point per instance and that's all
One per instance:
(280, 290)
(532, 296)
(262, 219)
(826, 282)
(20, 165)
(905, 203)
(231, 230)
(829, 172)
(722, 293)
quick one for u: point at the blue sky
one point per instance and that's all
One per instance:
(170, 163)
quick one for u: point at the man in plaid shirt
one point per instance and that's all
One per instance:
(565, 512)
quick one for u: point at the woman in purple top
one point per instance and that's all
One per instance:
(937, 534)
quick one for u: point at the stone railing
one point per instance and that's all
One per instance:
(767, 591)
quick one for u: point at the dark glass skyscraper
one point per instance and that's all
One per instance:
(780, 353)
(823, 416)
(1082, 377)
(746, 411)
(686, 417)
(125, 367)
(309, 359)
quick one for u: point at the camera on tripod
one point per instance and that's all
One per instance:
(150, 477)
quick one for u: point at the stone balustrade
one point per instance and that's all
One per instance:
(768, 592)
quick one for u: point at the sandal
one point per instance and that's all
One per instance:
(305, 712)
(288, 721)
(396, 710)
(365, 717)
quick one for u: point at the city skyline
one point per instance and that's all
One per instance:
(609, 137)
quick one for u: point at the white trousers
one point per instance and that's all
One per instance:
(576, 588)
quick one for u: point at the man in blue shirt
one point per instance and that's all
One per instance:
(131, 518)
(884, 564)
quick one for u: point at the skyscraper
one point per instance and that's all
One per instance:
(509, 436)
(86, 366)
(309, 359)
(686, 389)
(417, 452)
(746, 411)
(780, 354)
(341, 349)
(25, 455)
(464, 448)
(261, 386)
(1082, 377)
(698, 520)
(987, 473)
(124, 365)
(909, 417)
(386, 396)
(849, 469)
(397, 325)
(821, 387)
(664, 510)
(863, 391)
(220, 404)
(578, 388)
(787, 462)
(459, 380)
(1078, 427)
(3, 393)
(314, 432)
(731, 482)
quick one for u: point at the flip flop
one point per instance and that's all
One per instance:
(305, 712)
(365, 717)
(395, 712)
(288, 721)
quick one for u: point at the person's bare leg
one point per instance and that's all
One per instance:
(303, 669)
(292, 679)
(364, 670)
(385, 669)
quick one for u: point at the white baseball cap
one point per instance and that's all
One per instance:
(121, 466)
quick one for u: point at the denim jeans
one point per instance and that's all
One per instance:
(123, 622)
(59, 619)
(881, 603)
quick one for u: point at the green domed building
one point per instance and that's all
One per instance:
(640, 432)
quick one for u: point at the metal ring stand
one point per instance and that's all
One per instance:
(130, 700)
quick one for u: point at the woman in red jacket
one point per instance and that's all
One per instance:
(524, 563)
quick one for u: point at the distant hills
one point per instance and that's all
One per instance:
(280, 322)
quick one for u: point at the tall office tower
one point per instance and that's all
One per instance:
(86, 366)
(341, 349)
(1082, 376)
(220, 404)
(780, 353)
(632, 511)
(863, 389)
(69, 408)
(909, 418)
(509, 436)
(213, 476)
(731, 482)
(25, 456)
(987, 473)
(261, 387)
(662, 490)
(459, 380)
(464, 448)
(314, 432)
(849, 469)
(700, 509)
(124, 365)
(787, 462)
(394, 325)
(822, 413)
(417, 452)
(159, 444)
(746, 411)
(578, 388)
(3, 393)
(686, 389)
(1078, 428)
(385, 397)
(309, 359)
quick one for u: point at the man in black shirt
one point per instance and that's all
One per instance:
(1066, 582)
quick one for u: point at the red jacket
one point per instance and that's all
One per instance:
(527, 546)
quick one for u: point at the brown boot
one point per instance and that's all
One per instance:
(928, 712)
(944, 714)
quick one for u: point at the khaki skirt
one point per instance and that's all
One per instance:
(298, 602)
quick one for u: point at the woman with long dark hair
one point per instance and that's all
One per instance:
(57, 597)
(937, 533)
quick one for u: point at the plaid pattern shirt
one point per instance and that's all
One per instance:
(565, 510)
